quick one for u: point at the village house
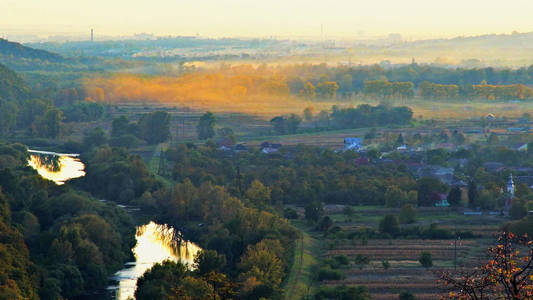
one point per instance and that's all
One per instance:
(493, 167)
(442, 201)
(353, 144)
(240, 148)
(528, 180)
(224, 144)
(522, 147)
(445, 175)
(268, 148)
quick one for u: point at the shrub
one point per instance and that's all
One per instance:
(389, 224)
(385, 264)
(343, 292)
(342, 259)
(407, 214)
(361, 260)
(405, 295)
(425, 259)
(326, 273)
(332, 263)
(126, 141)
(290, 213)
(348, 211)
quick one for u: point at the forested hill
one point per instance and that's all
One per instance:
(18, 51)
(12, 87)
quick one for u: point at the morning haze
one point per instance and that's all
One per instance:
(294, 18)
(254, 150)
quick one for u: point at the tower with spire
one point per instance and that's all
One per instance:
(510, 191)
(510, 185)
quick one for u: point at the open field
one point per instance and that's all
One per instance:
(254, 127)
(445, 109)
(404, 272)
(300, 279)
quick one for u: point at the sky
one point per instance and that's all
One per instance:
(266, 18)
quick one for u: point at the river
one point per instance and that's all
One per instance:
(58, 167)
(155, 242)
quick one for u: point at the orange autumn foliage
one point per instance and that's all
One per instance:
(246, 89)
(205, 87)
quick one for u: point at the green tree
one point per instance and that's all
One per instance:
(280, 125)
(407, 214)
(94, 138)
(348, 211)
(206, 126)
(412, 197)
(427, 188)
(472, 193)
(263, 264)
(395, 197)
(50, 124)
(425, 259)
(192, 288)
(405, 295)
(122, 126)
(258, 194)
(8, 116)
(313, 211)
(293, 121)
(324, 118)
(389, 225)
(308, 114)
(454, 196)
(518, 209)
(161, 281)
(155, 127)
(325, 223)
(207, 261)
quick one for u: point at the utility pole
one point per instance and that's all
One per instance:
(455, 252)
(183, 127)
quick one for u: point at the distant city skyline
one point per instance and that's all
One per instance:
(347, 19)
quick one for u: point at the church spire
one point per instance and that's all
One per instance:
(510, 185)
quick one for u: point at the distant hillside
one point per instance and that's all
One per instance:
(18, 51)
(488, 40)
(12, 87)
(496, 50)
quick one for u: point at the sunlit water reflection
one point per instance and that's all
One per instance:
(155, 243)
(58, 167)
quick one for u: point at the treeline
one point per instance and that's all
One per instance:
(56, 242)
(352, 79)
(384, 88)
(478, 91)
(364, 115)
(265, 84)
(151, 128)
(428, 90)
(24, 110)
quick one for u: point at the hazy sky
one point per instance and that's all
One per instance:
(282, 18)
